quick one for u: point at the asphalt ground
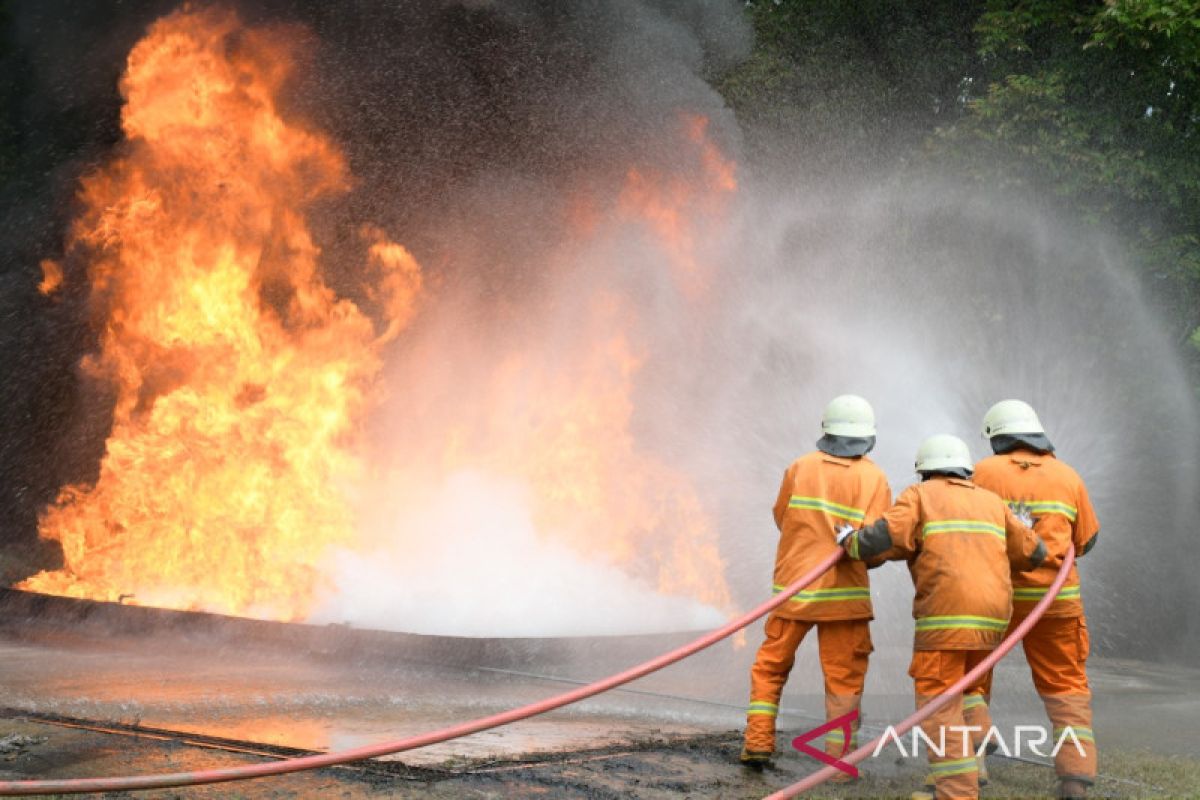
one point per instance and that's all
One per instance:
(83, 699)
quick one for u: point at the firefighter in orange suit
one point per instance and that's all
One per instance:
(835, 485)
(961, 543)
(1025, 471)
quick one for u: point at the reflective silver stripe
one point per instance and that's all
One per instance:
(828, 506)
(1040, 508)
(828, 595)
(962, 526)
(1035, 593)
(962, 622)
(1082, 734)
(958, 766)
(762, 707)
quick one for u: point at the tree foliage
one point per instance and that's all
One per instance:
(1100, 104)
(1095, 103)
(862, 81)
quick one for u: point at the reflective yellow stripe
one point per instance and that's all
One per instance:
(854, 545)
(762, 707)
(1026, 593)
(1040, 508)
(1082, 734)
(828, 595)
(962, 526)
(962, 622)
(959, 766)
(974, 701)
(828, 506)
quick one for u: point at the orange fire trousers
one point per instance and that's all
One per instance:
(1057, 650)
(955, 771)
(844, 647)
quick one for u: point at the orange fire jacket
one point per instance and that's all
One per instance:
(820, 492)
(1057, 499)
(961, 543)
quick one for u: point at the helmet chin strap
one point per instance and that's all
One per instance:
(846, 446)
(947, 473)
(1007, 442)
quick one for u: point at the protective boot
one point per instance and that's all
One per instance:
(926, 792)
(1070, 789)
(755, 759)
(835, 742)
(758, 744)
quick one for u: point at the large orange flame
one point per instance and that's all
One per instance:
(239, 375)
(241, 378)
(671, 205)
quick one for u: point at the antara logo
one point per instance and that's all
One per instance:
(1032, 737)
(1037, 737)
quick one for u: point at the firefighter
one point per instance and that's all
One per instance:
(836, 484)
(1024, 470)
(961, 543)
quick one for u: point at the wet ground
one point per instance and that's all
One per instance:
(172, 702)
(648, 769)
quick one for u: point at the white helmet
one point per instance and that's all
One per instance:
(943, 452)
(848, 415)
(1011, 416)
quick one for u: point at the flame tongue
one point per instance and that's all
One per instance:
(240, 378)
(239, 374)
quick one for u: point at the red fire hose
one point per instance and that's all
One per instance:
(166, 780)
(920, 716)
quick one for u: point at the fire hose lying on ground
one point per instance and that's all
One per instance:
(174, 779)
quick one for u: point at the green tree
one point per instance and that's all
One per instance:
(1095, 103)
(1098, 103)
(862, 82)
